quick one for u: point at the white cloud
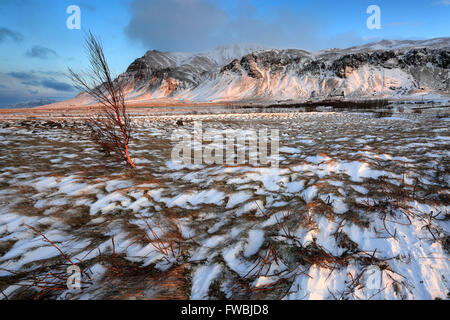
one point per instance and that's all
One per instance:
(443, 2)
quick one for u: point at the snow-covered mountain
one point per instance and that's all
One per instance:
(251, 73)
(164, 74)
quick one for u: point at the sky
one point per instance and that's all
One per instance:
(37, 47)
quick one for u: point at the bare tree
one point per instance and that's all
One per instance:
(111, 128)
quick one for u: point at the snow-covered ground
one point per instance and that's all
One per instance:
(358, 209)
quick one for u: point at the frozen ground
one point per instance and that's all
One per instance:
(358, 209)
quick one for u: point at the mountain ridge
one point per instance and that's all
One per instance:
(233, 73)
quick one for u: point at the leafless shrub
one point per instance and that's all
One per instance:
(117, 267)
(111, 128)
(283, 230)
(168, 242)
(264, 263)
(53, 278)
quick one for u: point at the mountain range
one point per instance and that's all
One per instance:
(249, 73)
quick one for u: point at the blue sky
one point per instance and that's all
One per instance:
(36, 47)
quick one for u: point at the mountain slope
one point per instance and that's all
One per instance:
(250, 73)
(163, 74)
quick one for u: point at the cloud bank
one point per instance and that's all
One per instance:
(22, 86)
(195, 25)
(41, 79)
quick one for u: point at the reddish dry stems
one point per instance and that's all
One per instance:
(112, 128)
(243, 288)
(267, 260)
(49, 282)
(115, 269)
(54, 281)
(391, 205)
(355, 281)
(60, 251)
(280, 223)
(54, 245)
(324, 259)
(164, 244)
(286, 232)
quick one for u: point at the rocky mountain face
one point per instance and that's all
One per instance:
(236, 73)
(164, 74)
